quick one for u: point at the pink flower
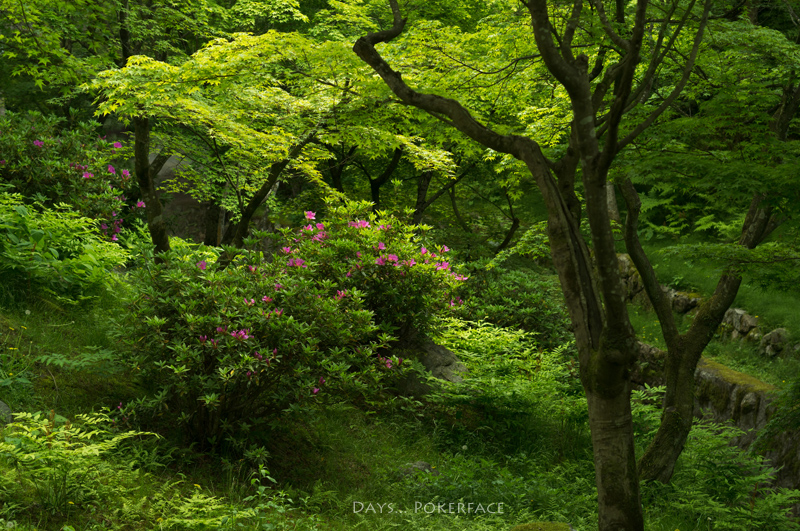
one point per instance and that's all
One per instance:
(287, 250)
(410, 263)
(308, 227)
(117, 145)
(349, 274)
(423, 250)
(445, 249)
(392, 257)
(87, 175)
(340, 294)
(320, 226)
(203, 340)
(310, 215)
(442, 265)
(201, 264)
(380, 260)
(278, 287)
(321, 380)
(381, 246)
(140, 204)
(104, 226)
(114, 238)
(222, 329)
(315, 390)
(38, 143)
(111, 170)
(266, 299)
(360, 224)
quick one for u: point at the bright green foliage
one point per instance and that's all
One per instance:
(715, 482)
(59, 466)
(52, 253)
(519, 299)
(50, 165)
(701, 166)
(49, 47)
(225, 350)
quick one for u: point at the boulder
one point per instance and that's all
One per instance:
(441, 362)
(739, 321)
(774, 342)
(5, 413)
(412, 469)
(684, 302)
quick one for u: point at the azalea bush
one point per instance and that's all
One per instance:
(405, 281)
(52, 253)
(228, 346)
(46, 163)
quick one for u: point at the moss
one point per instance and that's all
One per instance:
(745, 381)
(542, 526)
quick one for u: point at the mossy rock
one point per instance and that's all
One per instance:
(543, 526)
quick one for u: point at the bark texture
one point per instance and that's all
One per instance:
(145, 175)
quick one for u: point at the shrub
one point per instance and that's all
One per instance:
(228, 348)
(45, 164)
(517, 299)
(52, 252)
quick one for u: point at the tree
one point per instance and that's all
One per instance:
(610, 104)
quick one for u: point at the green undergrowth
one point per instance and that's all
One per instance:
(775, 307)
(513, 433)
(740, 356)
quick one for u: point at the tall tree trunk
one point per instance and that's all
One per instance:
(145, 175)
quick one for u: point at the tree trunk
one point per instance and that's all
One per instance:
(212, 220)
(145, 175)
(423, 182)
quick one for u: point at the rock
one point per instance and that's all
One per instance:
(684, 302)
(5, 413)
(441, 362)
(773, 343)
(412, 469)
(740, 321)
(649, 367)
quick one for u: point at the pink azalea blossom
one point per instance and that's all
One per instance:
(321, 380)
(287, 250)
(38, 143)
(310, 215)
(266, 299)
(423, 250)
(111, 170)
(315, 390)
(114, 238)
(117, 145)
(87, 175)
(381, 246)
(445, 249)
(391, 258)
(201, 264)
(140, 204)
(380, 260)
(126, 173)
(308, 227)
